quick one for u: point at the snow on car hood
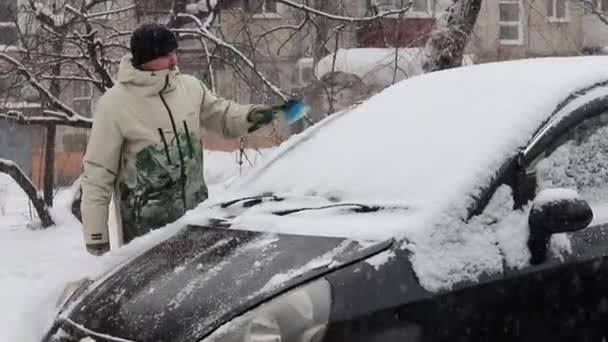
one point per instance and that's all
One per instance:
(430, 142)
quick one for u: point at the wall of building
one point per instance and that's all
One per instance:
(541, 36)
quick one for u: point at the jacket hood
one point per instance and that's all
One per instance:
(149, 83)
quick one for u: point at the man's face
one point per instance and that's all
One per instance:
(168, 61)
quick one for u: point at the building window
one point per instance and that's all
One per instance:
(510, 22)
(557, 10)
(9, 35)
(83, 98)
(266, 7)
(305, 71)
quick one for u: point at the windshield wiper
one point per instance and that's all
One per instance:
(253, 200)
(356, 207)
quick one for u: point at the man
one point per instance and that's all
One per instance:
(145, 145)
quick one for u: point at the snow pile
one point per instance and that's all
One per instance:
(376, 66)
(398, 146)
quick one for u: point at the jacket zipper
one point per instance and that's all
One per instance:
(162, 137)
(182, 167)
(191, 149)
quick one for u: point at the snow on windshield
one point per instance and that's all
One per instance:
(429, 142)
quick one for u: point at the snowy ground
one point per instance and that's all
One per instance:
(36, 264)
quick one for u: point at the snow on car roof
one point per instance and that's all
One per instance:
(429, 142)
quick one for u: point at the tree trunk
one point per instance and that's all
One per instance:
(17, 174)
(51, 133)
(447, 42)
(49, 164)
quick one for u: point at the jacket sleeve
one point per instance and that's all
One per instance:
(101, 164)
(225, 117)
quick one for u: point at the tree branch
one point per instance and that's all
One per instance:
(342, 18)
(91, 45)
(446, 44)
(36, 84)
(116, 11)
(589, 5)
(50, 118)
(203, 31)
(72, 78)
(13, 170)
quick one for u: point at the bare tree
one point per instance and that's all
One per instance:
(446, 45)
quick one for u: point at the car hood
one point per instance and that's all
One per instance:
(190, 284)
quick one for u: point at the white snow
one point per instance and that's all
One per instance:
(380, 259)
(560, 245)
(7, 48)
(553, 195)
(20, 105)
(376, 66)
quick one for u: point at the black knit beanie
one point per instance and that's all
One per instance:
(150, 41)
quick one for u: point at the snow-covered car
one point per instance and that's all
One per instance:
(467, 204)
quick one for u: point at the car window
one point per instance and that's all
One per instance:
(577, 160)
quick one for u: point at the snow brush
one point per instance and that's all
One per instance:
(294, 110)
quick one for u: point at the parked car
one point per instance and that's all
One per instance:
(467, 204)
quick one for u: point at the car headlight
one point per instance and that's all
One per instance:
(300, 315)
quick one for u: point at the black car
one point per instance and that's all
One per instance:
(463, 205)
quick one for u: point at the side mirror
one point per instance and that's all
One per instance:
(555, 211)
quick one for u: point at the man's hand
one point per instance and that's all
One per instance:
(98, 249)
(292, 110)
(263, 115)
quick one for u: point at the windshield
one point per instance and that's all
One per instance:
(432, 140)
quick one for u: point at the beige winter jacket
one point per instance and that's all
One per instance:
(146, 149)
